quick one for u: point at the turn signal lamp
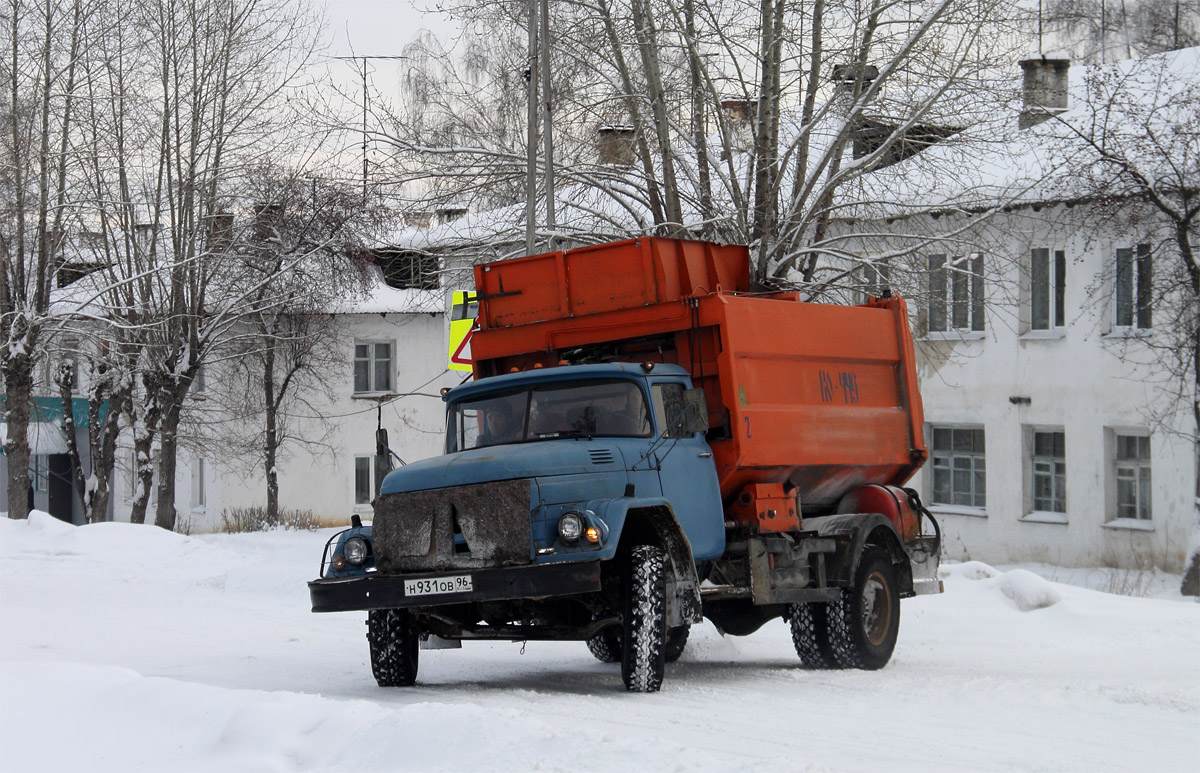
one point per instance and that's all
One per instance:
(592, 534)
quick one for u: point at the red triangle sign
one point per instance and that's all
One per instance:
(457, 358)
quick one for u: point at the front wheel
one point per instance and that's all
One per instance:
(864, 623)
(395, 647)
(677, 639)
(607, 648)
(645, 624)
(606, 645)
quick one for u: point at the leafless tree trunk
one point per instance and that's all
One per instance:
(39, 71)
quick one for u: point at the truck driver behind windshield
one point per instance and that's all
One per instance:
(500, 427)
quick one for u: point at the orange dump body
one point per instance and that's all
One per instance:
(822, 397)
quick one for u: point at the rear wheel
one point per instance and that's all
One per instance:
(395, 647)
(864, 624)
(810, 634)
(645, 624)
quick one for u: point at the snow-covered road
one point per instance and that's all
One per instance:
(127, 648)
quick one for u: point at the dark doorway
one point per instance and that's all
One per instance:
(61, 500)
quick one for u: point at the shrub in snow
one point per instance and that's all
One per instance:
(243, 519)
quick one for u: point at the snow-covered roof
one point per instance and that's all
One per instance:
(997, 163)
(988, 161)
(381, 298)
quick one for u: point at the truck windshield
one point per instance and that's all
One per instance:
(612, 408)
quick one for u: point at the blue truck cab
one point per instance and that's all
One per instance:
(526, 527)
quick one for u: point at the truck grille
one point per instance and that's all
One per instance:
(415, 531)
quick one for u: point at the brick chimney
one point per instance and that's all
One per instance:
(1045, 88)
(844, 78)
(740, 113)
(614, 144)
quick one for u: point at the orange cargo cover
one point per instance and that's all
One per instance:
(819, 395)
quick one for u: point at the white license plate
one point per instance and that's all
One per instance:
(438, 585)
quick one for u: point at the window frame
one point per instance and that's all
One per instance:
(359, 461)
(1136, 281)
(1057, 473)
(873, 277)
(41, 473)
(1048, 288)
(1142, 470)
(977, 467)
(199, 489)
(372, 366)
(956, 303)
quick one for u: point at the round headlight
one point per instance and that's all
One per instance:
(355, 551)
(570, 527)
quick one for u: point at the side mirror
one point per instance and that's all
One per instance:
(381, 442)
(695, 417)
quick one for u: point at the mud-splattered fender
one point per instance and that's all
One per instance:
(856, 530)
(636, 521)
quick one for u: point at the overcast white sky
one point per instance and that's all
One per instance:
(381, 27)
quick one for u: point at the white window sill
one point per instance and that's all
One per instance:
(1130, 524)
(974, 512)
(1044, 335)
(372, 395)
(1129, 332)
(955, 335)
(1043, 516)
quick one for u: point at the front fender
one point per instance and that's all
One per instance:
(652, 520)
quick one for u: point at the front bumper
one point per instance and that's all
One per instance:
(386, 591)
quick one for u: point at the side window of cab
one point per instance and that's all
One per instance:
(670, 409)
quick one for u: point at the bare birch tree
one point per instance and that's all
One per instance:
(309, 246)
(40, 76)
(751, 120)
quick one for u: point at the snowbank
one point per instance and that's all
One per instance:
(126, 647)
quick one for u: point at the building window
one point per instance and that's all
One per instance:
(133, 481)
(41, 473)
(409, 270)
(372, 366)
(199, 495)
(1134, 274)
(956, 293)
(1047, 288)
(1131, 471)
(959, 471)
(363, 473)
(875, 280)
(1048, 470)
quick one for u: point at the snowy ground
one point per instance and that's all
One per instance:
(129, 648)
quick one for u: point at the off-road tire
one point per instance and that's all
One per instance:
(810, 634)
(864, 623)
(606, 645)
(677, 639)
(395, 647)
(645, 620)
